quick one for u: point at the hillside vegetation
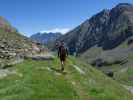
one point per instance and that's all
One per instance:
(42, 80)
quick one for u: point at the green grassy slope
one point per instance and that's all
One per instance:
(123, 72)
(35, 80)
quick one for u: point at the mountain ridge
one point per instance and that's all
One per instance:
(45, 37)
(101, 29)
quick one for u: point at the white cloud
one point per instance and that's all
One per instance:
(61, 30)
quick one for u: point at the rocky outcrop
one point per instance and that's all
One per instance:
(14, 47)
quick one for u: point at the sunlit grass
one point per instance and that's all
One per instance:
(39, 82)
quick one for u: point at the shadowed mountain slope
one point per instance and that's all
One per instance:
(107, 29)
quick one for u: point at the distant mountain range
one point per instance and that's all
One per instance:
(45, 38)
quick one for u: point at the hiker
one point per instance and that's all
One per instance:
(62, 54)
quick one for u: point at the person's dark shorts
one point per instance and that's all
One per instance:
(63, 57)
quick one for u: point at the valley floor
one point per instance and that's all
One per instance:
(42, 80)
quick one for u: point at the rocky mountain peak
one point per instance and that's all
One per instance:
(125, 5)
(122, 8)
(107, 29)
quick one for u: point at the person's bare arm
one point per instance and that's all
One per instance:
(67, 51)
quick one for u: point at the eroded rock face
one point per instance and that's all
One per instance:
(107, 29)
(11, 53)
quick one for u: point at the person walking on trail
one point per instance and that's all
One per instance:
(62, 54)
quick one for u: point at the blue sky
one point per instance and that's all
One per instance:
(31, 16)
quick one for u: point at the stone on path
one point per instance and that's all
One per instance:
(129, 88)
(47, 56)
(78, 69)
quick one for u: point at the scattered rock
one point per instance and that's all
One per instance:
(9, 63)
(129, 88)
(5, 72)
(73, 83)
(43, 57)
(78, 69)
(110, 74)
(130, 78)
(98, 62)
(130, 41)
